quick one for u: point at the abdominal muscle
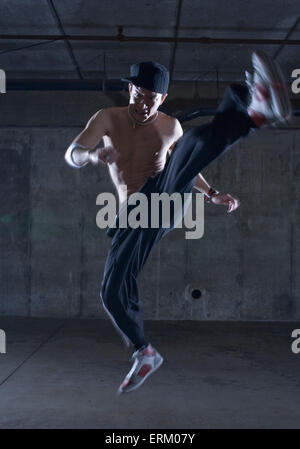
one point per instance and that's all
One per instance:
(130, 180)
(130, 172)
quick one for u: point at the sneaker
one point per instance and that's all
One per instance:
(270, 103)
(146, 361)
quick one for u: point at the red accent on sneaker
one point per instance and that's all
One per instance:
(258, 119)
(261, 92)
(144, 370)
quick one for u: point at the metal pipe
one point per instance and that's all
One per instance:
(122, 38)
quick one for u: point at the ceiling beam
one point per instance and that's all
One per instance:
(61, 29)
(178, 16)
(290, 32)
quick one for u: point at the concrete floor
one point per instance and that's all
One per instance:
(65, 373)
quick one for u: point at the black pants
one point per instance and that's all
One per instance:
(196, 149)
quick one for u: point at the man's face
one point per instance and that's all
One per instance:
(144, 103)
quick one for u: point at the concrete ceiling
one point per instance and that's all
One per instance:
(87, 59)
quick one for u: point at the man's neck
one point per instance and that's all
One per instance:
(136, 123)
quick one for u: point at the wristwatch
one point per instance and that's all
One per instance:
(210, 194)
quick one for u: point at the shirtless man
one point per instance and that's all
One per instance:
(137, 142)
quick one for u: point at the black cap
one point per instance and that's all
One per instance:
(150, 75)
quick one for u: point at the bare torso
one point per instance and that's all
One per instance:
(142, 150)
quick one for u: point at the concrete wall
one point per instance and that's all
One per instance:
(52, 253)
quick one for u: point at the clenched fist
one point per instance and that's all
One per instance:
(103, 155)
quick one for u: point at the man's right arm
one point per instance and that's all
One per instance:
(82, 149)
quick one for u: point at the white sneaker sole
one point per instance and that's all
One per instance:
(272, 75)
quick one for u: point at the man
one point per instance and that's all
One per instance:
(137, 140)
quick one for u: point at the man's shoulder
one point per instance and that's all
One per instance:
(115, 111)
(108, 116)
(173, 123)
(111, 111)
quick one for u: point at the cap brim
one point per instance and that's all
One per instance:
(130, 79)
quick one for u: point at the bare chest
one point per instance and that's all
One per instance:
(140, 145)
